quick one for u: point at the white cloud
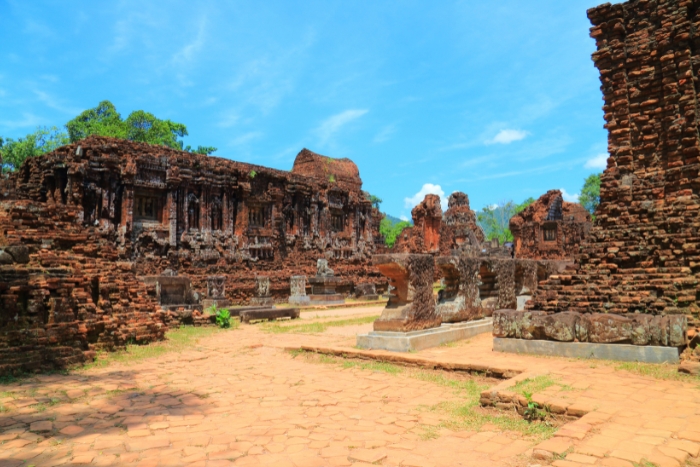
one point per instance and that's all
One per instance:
(329, 127)
(189, 51)
(428, 189)
(404, 218)
(598, 162)
(385, 134)
(569, 197)
(508, 136)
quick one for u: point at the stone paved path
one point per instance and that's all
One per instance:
(237, 398)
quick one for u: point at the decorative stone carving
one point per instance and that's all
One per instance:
(216, 292)
(322, 269)
(366, 292)
(598, 328)
(297, 285)
(411, 306)
(262, 292)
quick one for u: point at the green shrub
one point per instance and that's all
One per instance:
(223, 318)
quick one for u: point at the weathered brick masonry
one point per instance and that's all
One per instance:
(95, 216)
(643, 253)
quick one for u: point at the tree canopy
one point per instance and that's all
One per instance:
(590, 193)
(391, 230)
(495, 219)
(103, 120)
(375, 200)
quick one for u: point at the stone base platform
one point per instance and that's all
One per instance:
(262, 301)
(182, 307)
(622, 352)
(368, 298)
(268, 314)
(238, 310)
(326, 299)
(302, 300)
(219, 302)
(424, 339)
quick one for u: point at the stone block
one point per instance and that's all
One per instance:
(424, 339)
(621, 352)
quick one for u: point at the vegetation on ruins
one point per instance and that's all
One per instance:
(103, 120)
(590, 193)
(494, 219)
(391, 230)
(376, 201)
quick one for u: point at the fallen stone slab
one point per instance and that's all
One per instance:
(622, 352)
(268, 314)
(425, 338)
(411, 360)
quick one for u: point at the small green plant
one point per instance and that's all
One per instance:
(252, 174)
(331, 178)
(223, 318)
(212, 309)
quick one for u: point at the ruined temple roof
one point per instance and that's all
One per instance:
(116, 152)
(343, 171)
(551, 207)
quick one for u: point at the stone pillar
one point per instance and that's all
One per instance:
(297, 285)
(411, 307)
(262, 292)
(171, 211)
(460, 299)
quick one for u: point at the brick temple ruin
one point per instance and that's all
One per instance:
(641, 260)
(481, 276)
(97, 218)
(550, 228)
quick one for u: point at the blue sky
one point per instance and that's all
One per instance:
(498, 99)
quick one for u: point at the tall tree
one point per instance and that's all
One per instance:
(375, 200)
(522, 206)
(494, 220)
(391, 230)
(590, 193)
(104, 120)
(45, 139)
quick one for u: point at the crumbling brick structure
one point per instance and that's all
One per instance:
(203, 216)
(643, 253)
(64, 291)
(435, 233)
(99, 216)
(479, 277)
(550, 228)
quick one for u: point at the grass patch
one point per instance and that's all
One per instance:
(530, 386)
(313, 328)
(177, 340)
(656, 371)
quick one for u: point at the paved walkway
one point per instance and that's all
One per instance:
(237, 398)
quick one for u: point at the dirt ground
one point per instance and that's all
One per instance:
(241, 397)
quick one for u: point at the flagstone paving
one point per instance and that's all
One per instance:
(238, 398)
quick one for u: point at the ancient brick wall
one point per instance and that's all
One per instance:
(64, 293)
(204, 216)
(550, 228)
(643, 253)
